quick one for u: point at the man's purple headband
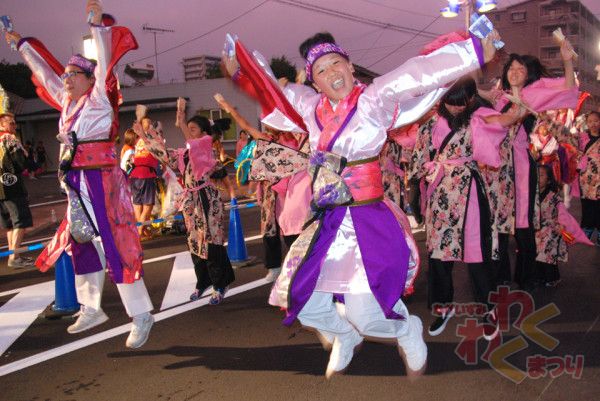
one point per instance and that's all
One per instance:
(320, 50)
(79, 61)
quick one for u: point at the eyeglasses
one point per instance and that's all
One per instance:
(70, 74)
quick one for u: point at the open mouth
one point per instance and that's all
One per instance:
(337, 84)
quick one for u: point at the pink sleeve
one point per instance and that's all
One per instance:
(583, 140)
(550, 93)
(571, 225)
(410, 138)
(486, 137)
(406, 93)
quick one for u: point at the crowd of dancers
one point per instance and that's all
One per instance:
(337, 166)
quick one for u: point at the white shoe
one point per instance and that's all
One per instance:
(86, 320)
(326, 338)
(140, 330)
(412, 348)
(342, 352)
(273, 274)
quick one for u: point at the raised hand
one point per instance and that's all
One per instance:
(230, 64)
(94, 6)
(223, 103)
(489, 50)
(566, 51)
(12, 37)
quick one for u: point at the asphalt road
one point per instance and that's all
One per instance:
(240, 351)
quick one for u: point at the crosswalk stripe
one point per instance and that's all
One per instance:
(22, 310)
(181, 282)
(116, 331)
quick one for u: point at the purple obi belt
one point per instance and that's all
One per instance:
(337, 182)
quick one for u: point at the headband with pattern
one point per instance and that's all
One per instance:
(319, 51)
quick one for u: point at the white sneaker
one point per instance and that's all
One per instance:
(86, 320)
(412, 348)
(326, 338)
(342, 352)
(273, 274)
(140, 330)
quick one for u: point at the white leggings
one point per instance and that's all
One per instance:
(363, 314)
(89, 287)
(134, 296)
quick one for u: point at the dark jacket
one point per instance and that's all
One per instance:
(12, 164)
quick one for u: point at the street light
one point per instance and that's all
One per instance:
(89, 48)
(454, 7)
(451, 11)
(483, 6)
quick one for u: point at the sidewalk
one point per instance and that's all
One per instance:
(41, 191)
(45, 190)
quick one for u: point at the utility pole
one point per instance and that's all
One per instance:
(156, 31)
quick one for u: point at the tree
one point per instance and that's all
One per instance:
(283, 68)
(16, 78)
(213, 70)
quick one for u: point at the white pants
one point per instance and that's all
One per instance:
(363, 314)
(134, 296)
(89, 286)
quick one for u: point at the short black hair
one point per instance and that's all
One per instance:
(462, 93)
(552, 183)
(202, 122)
(535, 69)
(597, 113)
(316, 39)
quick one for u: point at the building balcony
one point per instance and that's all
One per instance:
(558, 18)
(552, 62)
(548, 41)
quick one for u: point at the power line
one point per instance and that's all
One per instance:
(411, 12)
(205, 33)
(404, 44)
(362, 49)
(351, 17)
(372, 45)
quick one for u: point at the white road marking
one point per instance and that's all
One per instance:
(22, 310)
(33, 241)
(96, 338)
(183, 279)
(10, 292)
(48, 203)
(181, 283)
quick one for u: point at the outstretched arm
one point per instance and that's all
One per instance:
(566, 52)
(45, 68)
(404, 94)
(181, 123)
(239, 119)
(510, 117)
(102, 40)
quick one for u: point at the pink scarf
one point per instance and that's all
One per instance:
(332, 122)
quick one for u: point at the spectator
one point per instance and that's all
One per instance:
(41, 157)
(142, 181)
(15, 215)
(30, 163)
(128, 150)
(242, 141)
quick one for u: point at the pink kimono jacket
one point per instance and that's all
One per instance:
(458, 217)
(589, 167)
(518, 201)
(556, 221)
